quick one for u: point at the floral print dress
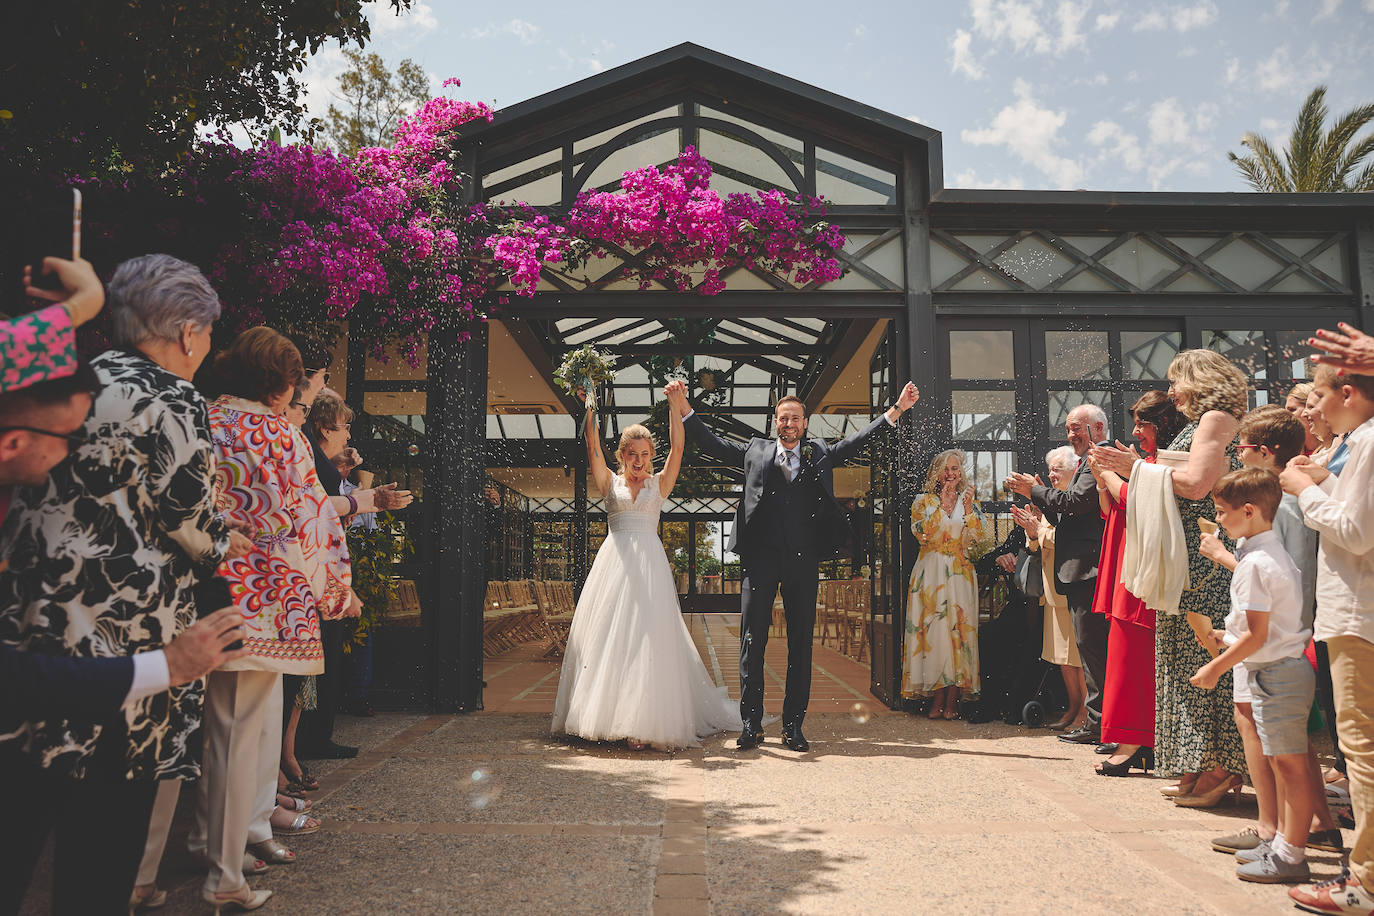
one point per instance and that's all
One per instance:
(941, 640)
(104, 558)
(297, 572)
(1195, 730)
(37, 347)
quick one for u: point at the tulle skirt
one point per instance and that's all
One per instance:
(631, 670)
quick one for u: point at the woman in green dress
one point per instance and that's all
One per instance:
(1196, 737)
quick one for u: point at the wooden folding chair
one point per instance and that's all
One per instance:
(827, 619)
(557, 620)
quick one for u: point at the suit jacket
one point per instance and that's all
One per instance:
(758, 457)
(1077, 518)
(36, 686)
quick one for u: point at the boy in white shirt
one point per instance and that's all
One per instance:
(1341, 510)
(1265, 629)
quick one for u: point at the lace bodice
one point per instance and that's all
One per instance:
(628, 514)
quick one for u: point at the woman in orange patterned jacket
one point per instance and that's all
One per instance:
(296, 573)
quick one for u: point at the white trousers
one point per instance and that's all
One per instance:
(238, 782)
(159, 826)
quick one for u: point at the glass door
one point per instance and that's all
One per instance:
(887, 599)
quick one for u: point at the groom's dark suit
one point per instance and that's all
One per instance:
(782, 531)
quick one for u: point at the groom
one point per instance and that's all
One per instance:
(786, 524)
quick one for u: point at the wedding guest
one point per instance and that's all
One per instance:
(1341, 511)
(1078, 543)
(1319, 429)
(41, 345)
(1195, 730)
(942, 600)
(140, 477)
(1349, 349)
(1296, 404)
(297, 567)
(1128, 695)
(1058, 646)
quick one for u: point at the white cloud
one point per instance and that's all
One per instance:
(320, 77)
(418, 20)
(1179, 18)
(963, 58)
(1328, 9)
(1279, 73)
(1030, 132)
(1168, 123)
(1232, 69)
(1369, 6)
(1114, 141)
(1269, 125)
(1019, 22)
(860, 31)
(524, 32)
(968, 178)
(1107, 21)
(1281, 8)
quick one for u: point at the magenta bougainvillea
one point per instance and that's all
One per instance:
(301, 236)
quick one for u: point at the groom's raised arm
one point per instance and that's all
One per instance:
(843, 450)
(731, 453)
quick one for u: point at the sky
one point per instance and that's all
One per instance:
(1036, 94)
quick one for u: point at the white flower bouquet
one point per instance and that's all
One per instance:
(585, 368)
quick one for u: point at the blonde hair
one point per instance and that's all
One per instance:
(630, 434)
(1300, 391)
(1205, 380)
(937, 469)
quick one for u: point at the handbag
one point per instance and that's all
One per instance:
(1027, 576)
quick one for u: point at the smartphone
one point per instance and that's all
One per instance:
(55, 232)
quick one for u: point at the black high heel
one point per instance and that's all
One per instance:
(1144, 758)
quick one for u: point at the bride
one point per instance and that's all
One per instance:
(631, 671)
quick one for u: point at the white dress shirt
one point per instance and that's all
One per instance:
(1341, 511)
(150, 676)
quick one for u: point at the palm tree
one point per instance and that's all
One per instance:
(1316, 159)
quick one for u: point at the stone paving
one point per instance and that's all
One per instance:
(487, 813)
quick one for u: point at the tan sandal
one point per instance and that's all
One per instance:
(148, 900)
(272, 852)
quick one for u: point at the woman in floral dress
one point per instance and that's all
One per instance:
(942, 601)
(1195, 730)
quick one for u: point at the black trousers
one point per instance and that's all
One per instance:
(101, 826)
(765, 572)
(1090, 632)
(316, 730)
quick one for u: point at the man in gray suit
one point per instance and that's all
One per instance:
(1077, 519)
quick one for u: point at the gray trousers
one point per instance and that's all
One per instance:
(1090, 632)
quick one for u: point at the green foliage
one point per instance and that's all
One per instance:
(96, 86)
(372, 100)
(373, 555)
(1316, 159)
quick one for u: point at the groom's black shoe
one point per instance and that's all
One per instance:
(1088, 734)
(750, 738)
(793, 739)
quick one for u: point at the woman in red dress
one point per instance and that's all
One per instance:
(1128, 694)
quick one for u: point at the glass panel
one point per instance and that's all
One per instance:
(1332, 262)
(1061, 402)
(660, 148)
(790, 144)
(1195, 244)
(1087, 281)
(745, 159)
(988, 470)
(982, 243)
(984, 415)
(1032, 261)
(532, 164)
(981, 281)
(1291, 353)
(1147, 354)
(847, 181)
(982, 354)
(1244, 348)
(542, 192)
(1244, 263)
(1077, 355)
(595, 140)
(1140, 263)
(1088, 244)
(394, 402)
(943, 263)
(519, 426)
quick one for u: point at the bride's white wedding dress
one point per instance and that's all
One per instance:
(631, 670)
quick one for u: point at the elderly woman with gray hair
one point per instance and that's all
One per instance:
(109, 558)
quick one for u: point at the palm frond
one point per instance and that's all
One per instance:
(1365, 180)
(1350, 161)
(1264, 170)
(1342, 134)
(1305, 144)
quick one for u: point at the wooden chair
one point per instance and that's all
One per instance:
(557, 617)
(498, 618)
(855, 623)
(827, 619)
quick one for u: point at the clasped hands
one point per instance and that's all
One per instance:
(1300, 473)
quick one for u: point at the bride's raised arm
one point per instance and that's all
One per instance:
(595, 460)
(677, 440)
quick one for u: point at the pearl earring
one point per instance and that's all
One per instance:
(190, 352)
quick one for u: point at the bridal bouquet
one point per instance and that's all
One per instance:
(585, 368)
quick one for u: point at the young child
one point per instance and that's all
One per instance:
(1265, 630)
(1341, 510)
(1269, 437)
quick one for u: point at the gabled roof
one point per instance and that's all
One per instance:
(691, 66)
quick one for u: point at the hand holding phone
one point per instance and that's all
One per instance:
(78, 287)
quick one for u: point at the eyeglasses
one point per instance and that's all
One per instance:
(313, 371)
(303, 407)
(78, 438)
(1244, 445)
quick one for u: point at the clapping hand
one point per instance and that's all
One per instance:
(1118, 458)
(1021, 483)
(1007, 562)
(1028, 517)
(1348, 349)
(968, 499)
